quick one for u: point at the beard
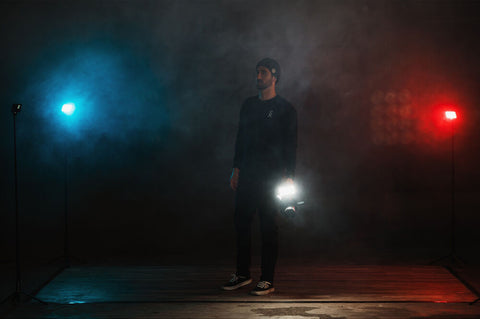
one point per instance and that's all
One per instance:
(263, 85)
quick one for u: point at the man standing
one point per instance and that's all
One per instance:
(265, 155)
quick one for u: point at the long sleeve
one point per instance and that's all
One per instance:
(240, 141)
(290, 147)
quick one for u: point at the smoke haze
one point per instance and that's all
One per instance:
(158, 87)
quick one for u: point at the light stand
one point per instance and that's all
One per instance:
(16, 296)
(66, 242)
(68, 109)
(66, 250)
(66, 247)
(452, 257)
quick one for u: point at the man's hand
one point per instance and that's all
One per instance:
(234, 178)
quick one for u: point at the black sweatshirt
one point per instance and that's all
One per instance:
(266, 142)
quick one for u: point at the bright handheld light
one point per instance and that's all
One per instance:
(451, 115)
(68, 108)
(287, 194)
(286, 191)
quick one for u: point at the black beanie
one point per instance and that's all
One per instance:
(271, 65)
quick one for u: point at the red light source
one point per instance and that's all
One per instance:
(451, 115)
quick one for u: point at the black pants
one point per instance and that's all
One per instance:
(251, 197)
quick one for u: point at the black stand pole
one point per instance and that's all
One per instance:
(452, 257)
(66, 256)
(66, 239)
(66, 252)
(16, 296)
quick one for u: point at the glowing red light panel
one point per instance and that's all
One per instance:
(451, 115)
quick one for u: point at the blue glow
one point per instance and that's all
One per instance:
(68, 108)
(107, 105)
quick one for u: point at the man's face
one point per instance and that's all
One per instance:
(265, 78)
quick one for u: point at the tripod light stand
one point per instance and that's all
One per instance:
(452, 256)
(68, 109)
(16, 296)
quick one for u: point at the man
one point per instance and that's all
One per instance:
(265, 155)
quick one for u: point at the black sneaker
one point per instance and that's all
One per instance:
(263, 288)
(236, 282)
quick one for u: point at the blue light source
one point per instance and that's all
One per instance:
(68, 108)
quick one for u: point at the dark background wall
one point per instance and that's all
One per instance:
(158, 87)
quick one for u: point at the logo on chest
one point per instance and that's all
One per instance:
(270, 114)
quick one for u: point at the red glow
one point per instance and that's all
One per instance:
(451, 115)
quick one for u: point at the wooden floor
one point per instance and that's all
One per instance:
(301, 291)
(250, 311)
(308, 283)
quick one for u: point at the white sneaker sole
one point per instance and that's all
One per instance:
(244, 283)
(262, 293)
